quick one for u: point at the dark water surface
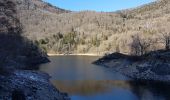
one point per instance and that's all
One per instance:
(85, 81)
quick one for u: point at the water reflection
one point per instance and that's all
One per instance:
(114, 90)
(89, 87)
(150, 90)
(85, 81)
(78, 68)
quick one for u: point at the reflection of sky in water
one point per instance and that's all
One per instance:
(96, 90)
(113, 90)
(116, 94)
(85, 81)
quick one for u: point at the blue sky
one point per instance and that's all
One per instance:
(97, 5)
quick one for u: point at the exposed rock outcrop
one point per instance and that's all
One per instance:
(152, 66)
(28, 85)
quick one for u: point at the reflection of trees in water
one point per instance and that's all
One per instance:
(143, 90)
(80, 87)
(150, 90)
(89, 87)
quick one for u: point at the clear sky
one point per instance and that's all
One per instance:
(97, 5)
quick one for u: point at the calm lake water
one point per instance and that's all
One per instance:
(82, 80)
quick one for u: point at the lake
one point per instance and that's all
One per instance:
(82, 80)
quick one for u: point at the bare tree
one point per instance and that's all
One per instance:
(165, 37)
(139, 46)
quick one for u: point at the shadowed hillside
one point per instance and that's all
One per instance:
(17, 54)
(15, 50)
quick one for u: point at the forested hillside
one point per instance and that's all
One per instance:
(60, 31)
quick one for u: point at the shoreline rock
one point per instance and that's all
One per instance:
(153, 66)
(18, 54)
(33, 85)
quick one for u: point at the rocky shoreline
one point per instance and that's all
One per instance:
(19, 57)
(154, 66)
(28, 85)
